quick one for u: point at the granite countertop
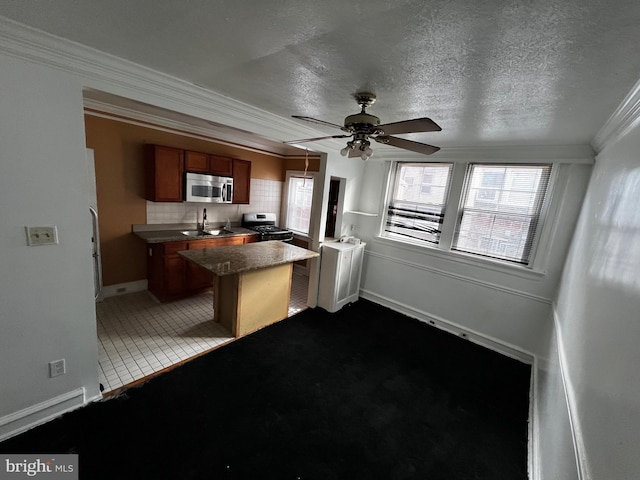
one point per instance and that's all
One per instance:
(160, 233)
(243, 258)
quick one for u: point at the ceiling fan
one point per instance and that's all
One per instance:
(364, 127)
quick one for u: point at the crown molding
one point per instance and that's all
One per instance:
(239, 140)
(623, 119)
(575, 154)
(100, 71)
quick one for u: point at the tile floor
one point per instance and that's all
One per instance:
(138, 336)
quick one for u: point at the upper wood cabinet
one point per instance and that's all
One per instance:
(163, 173)
(220, 166)
(196, 162)
(209, 164)
(241, 181)
(165, 167)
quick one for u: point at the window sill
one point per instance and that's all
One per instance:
(463, 258)
(364, 214)
(301, 236)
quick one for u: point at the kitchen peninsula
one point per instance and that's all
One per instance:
(251, 282)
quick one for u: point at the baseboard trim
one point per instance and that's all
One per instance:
(487, 341)
(574, 423)
(533, 459)
(123, 288)
(25, 419)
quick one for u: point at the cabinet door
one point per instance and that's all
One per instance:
(166, 270)
(251, 238)
(175, 280)
(220, 166)
(241, 181)
(196, 162)
(356, 269)
(175, 269)
(344, 275)
(163, 172)
(198, 277)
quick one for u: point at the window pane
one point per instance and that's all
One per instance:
(299, 204)
(416, 206)
(501, 210)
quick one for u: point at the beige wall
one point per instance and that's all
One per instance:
(118, 148)
(298, 164)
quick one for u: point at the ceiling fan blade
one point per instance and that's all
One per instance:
(410, 126)
(407, 144)
(293, 142)
(315, 120)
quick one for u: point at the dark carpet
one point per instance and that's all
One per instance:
(365, 393)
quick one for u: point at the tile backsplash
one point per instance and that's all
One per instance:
(266, 196)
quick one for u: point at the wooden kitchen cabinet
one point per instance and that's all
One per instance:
(166, 270)
(171, 277)
(241, 180)
(222, 166)
(196, 162)
(208, 164)
(163, 173)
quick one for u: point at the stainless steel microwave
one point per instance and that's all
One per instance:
(208, 188)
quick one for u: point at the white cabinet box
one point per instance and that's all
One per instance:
(340, 270)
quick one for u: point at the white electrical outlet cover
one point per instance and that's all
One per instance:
(44, 235)
(57, 368)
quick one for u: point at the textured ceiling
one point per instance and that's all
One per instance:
(489, 72)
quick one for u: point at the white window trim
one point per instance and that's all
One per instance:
(285, 201)
(548, 218)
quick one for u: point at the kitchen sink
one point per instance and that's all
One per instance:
(221, 231)
(206, 233)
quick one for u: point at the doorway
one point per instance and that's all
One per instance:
(332, 208)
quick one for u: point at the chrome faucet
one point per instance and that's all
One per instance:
(205, 224)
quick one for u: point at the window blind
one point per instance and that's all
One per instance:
(417, 203)
(300, 196)
(501, 209)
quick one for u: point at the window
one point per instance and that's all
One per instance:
(499, 211)
(416, 208)
(299, 199)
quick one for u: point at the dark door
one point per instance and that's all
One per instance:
(332, 210)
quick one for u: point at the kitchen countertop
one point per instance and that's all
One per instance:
(160, 233)
(251, 256)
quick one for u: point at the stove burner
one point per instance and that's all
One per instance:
(264, 224)
(267, 229)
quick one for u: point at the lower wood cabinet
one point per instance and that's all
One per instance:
(170, 276)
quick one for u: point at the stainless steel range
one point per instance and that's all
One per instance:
(265, 225)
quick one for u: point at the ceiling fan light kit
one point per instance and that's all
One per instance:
(364, 127)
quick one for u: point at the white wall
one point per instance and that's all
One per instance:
(598, 317)
(553, 454)
(46, 292)
(502, 306)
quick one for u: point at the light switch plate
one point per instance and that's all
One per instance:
(46, 235)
